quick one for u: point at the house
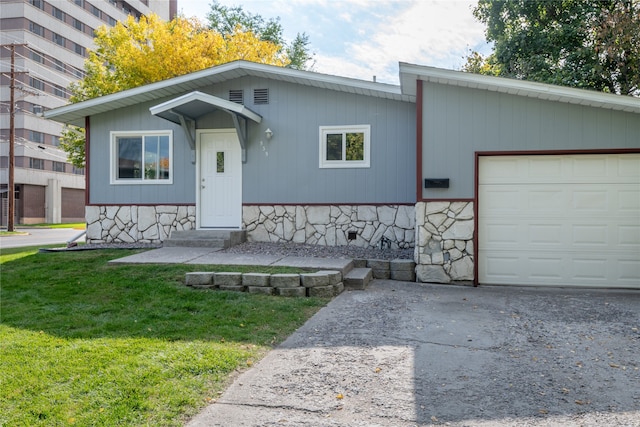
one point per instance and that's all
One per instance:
(491, 180)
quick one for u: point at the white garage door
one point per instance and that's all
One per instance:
(561, 220)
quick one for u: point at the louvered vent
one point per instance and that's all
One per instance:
(237, 96)
(260, 96)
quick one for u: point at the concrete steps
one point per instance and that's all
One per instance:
(357, 278)
(221, 239)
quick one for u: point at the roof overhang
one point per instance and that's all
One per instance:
(410, 73)
(196, 104)
(75, 113)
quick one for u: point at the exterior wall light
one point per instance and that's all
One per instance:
(268, 134)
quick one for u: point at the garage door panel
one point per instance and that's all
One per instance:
(546, 235)
(629, 271)
(545, 267)
(628, 200)
(502, 267)
(560, 220)
(590, 235)
(629, 237)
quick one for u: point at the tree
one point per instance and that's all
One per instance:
(592, 44)
(135, 53)
(226, 20)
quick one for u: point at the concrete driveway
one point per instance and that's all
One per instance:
(408, 354)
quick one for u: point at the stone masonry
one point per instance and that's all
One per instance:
(444, 249)
(145, 224)
(332, 225)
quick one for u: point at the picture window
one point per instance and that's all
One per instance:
(141, 157)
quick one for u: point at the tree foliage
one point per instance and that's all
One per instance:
(592, 44)
(225, 20)
(135, 53)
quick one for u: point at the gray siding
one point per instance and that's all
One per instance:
(137, 118)
(457, 122)
(290, 173)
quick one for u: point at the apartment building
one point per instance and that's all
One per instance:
(49, 40)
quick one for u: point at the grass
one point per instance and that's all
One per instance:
(87, 343)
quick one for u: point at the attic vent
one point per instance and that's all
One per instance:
(237, 96)
(260, 96)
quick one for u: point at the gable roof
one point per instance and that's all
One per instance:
(410, 73)
(75, 113)
(196, 104)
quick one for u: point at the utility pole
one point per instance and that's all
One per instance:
(12, 137)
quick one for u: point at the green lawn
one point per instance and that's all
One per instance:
(85, 343)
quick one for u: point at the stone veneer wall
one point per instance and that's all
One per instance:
(444, 249)
(330, 224)
(146, 224)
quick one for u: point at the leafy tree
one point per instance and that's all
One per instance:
(592, 44)
(136, 53)
(226, 20)
(72, 142)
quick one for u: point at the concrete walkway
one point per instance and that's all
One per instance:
(408, 354)
(209, 256)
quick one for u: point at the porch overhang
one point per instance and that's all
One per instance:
(186, 109)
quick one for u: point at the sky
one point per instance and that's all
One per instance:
(367, 38)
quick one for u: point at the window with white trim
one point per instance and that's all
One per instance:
(345, 146)
(142, 157)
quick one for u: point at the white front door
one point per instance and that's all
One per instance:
(219, 179)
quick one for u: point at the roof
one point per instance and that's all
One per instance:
(196, 104)
(75, 113)
(410, 73)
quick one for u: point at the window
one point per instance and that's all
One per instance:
(37, 57)
(36, 163)
(55, 140)
(57, 38)
(57, 13)
(79, 2)
(36, 83)
(79, 49)
(58, 65)
(36, 29)
(97, 12)
(37, 3)
(345, 146)
(78, 25)
(35, 136)
(141, 157)
(58, 166)
(59, 91)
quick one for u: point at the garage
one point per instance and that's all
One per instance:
(559, 220)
